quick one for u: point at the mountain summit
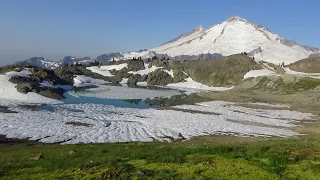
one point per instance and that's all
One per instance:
(232, 36)
(236, 35)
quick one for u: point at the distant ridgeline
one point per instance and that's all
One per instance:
(104, 58)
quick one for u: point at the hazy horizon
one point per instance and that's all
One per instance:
(54, 29)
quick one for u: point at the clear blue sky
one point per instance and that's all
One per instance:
(55, 28)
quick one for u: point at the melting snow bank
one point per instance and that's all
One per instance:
(22, 73)
(145, 71)
(10, 95)
(256, 73)
(270, 105)
(195, 86)
(121, 92)
(80, 80)
(105, 70)
(312, 75)
(89, 123)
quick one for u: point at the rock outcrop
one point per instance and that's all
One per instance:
(133, 79)
(159, 77)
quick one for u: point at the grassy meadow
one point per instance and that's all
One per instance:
(199, 158)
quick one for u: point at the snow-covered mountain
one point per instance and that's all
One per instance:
(48, 64)
(41, 62)
(237, 35)
(234, 35)
(73, 60)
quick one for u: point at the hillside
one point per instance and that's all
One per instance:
(227, 71)
(308, 65)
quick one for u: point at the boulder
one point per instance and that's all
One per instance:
(134, 79)
(52, 93)
(24, 88)
(67, 73)
(179, 76)
(144, 78)
(114, 79)
(159, 63)
(40, 156)
(123, 73)
(136, 65)
(159, 77)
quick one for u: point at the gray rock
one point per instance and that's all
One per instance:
(134, 79)
(144, 78)
(72, 152)
(136, 65)
(159, 77)
(179, 76)
(54, 94)
(24, 88)
(317, 89)
(123, 73)
(159, 63)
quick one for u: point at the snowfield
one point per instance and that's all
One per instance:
(102, 123)
(105, 70)
(9, 94)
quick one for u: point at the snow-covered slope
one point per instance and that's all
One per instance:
(236, 35)
(9, 93)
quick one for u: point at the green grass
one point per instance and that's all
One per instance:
(279, 84)
(307, 83)
(202, 159)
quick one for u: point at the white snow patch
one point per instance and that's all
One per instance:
(270, 105)
(191, 84)
(22, 73)
(124, 81)
(8, 93)
(257, 73)
(116, 67)
(105, 70)
(113, 124)
(80, 80)
(170, 72)
(145, 71)
(144, 83)
(269, 67)
(312, 75)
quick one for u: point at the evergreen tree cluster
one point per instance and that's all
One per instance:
(139, 58)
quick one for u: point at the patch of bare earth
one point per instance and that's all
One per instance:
(73, 123)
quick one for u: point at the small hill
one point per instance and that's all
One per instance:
(308, 65)
(227, 71)
(283, 84)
